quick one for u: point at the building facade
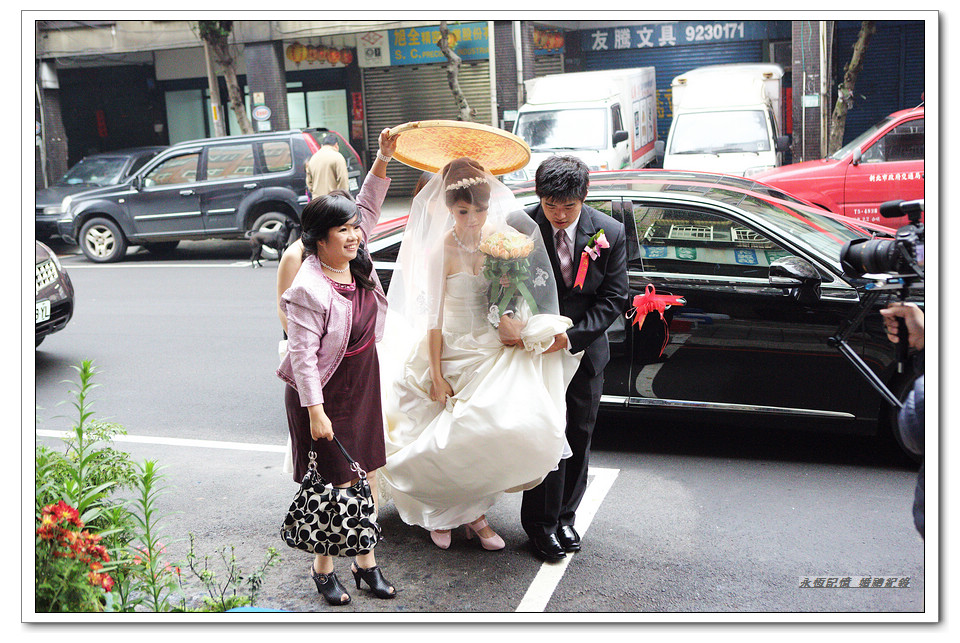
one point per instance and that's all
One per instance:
(108, 85)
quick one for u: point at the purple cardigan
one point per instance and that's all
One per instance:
(319, 319)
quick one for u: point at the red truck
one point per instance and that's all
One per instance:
(882, 164)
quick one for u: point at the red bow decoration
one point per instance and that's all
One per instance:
(650, 301)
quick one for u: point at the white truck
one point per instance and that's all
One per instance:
(606, 118)
(726, 119)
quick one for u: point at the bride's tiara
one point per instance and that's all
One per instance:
(465, 183)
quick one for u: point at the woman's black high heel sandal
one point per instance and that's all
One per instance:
(374, 577)
(329, 587)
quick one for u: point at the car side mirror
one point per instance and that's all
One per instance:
(783, 143)
(620, 136)
(798, 277)
(137, 183)
(857, 156)
(659, 149)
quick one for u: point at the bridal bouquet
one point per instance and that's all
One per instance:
(507, 268)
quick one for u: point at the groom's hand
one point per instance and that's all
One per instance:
(509, 330)
(559, 343)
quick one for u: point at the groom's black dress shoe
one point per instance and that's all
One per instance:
(568, 538)
(547, 547)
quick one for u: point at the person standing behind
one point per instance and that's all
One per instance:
(548, 511)
(327, 169)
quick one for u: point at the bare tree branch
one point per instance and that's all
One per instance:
(838, 119)
(467, 113)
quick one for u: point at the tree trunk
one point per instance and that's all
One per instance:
(225, 60)
(216, 33)
(453, 72)
(838, 120)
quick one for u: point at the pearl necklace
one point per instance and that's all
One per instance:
(339, 271)
(460, 243)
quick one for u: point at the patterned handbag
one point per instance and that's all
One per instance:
(332, 521)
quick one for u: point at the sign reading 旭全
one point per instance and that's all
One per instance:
(418, 45)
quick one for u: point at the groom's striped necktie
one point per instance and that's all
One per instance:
(565, 257)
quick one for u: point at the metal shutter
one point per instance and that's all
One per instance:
(670, 62)
(892, 75)
(397, 95)
(548, 64)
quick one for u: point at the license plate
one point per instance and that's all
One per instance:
(353, 183)
(43, 311)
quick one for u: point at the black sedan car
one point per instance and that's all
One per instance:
(55, 294)
(94, 171)
(752, 295)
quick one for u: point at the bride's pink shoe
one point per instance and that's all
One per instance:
(440, 538)
(491, 543)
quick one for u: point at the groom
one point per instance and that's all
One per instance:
(548, 511)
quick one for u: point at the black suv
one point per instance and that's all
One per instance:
(93, 171)
(216, 188)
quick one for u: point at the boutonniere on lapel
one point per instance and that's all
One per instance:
(597, 243)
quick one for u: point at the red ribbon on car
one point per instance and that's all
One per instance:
(649, 302)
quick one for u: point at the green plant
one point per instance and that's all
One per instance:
(217, 598)
(98, 551)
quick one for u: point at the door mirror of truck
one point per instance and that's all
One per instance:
(857, 156)
(659, 148)
(783, 143)
(620, 136)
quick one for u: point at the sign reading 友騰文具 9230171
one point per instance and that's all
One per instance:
(676, 34)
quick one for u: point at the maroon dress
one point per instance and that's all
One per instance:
(351, 399)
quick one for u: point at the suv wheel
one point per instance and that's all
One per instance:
(102, 241)
(269, 222)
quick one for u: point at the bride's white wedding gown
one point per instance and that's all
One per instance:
(503, 429)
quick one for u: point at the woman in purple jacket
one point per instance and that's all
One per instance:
(335, 312)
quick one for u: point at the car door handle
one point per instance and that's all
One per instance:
(249, 186)
(187, 192)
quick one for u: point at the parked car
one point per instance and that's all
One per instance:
(884, 163)
(54, 294)
(764, 292)
(93, 171)
(216, 188)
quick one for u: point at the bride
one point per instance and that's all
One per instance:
(468, 418)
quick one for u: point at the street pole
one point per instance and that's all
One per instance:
(218, 126)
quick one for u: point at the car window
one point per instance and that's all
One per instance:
(139, 162)
(690, 241)
(277, 156)
(903, 143)
(229, 161)
(174, 171)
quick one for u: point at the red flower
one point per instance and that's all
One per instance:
(107, 583)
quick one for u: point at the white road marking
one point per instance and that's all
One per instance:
(546, 580)
(178, 442)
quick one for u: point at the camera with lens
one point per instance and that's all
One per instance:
(903, 255)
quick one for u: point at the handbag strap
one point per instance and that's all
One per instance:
(353, 463)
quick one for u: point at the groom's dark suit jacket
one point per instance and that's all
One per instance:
(605, 290)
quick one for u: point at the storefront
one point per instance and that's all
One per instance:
(405, 79)
(674, 48)
(316, 78)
